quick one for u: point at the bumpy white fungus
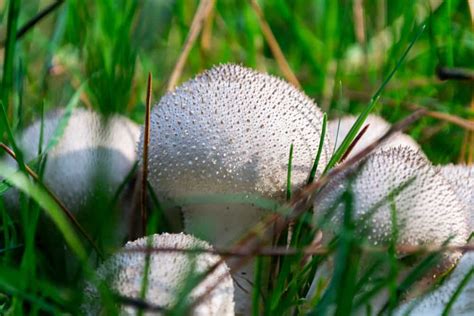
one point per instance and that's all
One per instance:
(228, 131)
(168, 272)
(461, 178)
(428, 210)
(434, 303)
(339, 128)
(92, 150)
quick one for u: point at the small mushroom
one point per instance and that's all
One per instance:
(461, 178)
(428, 211)
(92, 150)
(434, 303)
(339, 128)
(85, 169)
(229, 131)
(168, 272)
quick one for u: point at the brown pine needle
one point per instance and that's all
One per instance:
(274, 46)
(68, 213)
(203, 10)
(146, 141)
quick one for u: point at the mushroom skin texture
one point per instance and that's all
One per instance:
(461, 178)
(229, 131)
(434, 303)
(428, 211)
(338, 129)
(91, 151)
(168, 272)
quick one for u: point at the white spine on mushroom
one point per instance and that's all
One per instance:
(434, 303)
(229, 131)
(87, 151)
(168, 272)
(461, 178)
(339, 128)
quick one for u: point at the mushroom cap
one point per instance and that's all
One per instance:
(91, 151)
(428, 210)
(461, 177)
(229, 130)
(167, 274)
(339, 128)
(435, 302)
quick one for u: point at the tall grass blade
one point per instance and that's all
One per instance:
(64, 120)
(9, 55)
(373, 101)
(320, 150)
(34, 191)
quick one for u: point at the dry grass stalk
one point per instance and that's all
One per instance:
(202, 12)
(274, 47)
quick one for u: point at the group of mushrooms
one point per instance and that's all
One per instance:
(228, 133)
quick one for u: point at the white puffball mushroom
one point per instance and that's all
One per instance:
(92, 150)
(461, 178)
(428, 210)
(434, 303)
(168, 272)
(339, 128)
(229, 131)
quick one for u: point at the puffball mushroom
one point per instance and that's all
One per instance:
(92, 150)
(461, 178)
(428, 211)
(434, 303)
(229, 131)
(339, 128)
(168, 273)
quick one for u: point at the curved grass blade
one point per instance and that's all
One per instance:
(47, 203)
(456, 293)
(373, 101)
(62, 124)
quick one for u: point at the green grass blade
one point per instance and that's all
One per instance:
(288, 176)
(457, 292)
(320, 150)
(22, 182)
(9, 56)
(373, 101)
(63, 122)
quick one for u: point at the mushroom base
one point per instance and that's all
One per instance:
(223, 226)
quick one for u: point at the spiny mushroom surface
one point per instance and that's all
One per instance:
(229, 131)
(434, 303)
(91, 151)
(461, 178)
(168, 272)
(339, 128)
(428, 211)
